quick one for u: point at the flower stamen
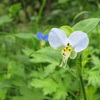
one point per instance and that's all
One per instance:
(66, 51)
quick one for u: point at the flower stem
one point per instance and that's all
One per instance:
(40, 13)
(83, 89)
(79, 70)
(41, 9)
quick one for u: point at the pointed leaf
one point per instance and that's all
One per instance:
(86, 25)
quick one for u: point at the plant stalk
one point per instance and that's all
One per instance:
(79, 70)
(40, 13)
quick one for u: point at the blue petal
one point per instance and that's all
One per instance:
(45, 38)
(39, 35)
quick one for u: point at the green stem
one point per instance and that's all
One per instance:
(79, 70)
(40, 13)
(41, 9)
(82, 85)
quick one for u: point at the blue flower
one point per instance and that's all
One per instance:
(40, 36)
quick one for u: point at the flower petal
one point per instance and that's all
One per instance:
(73, 54)
(57, 37)
(39, 35)
(45, 37)
(79, 40)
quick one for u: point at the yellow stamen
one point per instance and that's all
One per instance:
(65, 53)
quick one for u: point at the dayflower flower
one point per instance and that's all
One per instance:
(43, 38)
(40, 36)
(74, 43)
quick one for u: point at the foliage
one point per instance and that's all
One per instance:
(31, 71)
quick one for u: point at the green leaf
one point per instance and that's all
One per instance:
(91, 92)
(29, 94)
(37, 83)
(49, 85)
(28, 51)
(86, 25)
(67, 29)
(85, 56)
(97, 96)
(95, 60)
(37, 74)
(15, 69)
(15, 8)
(5, 19)
(63, 1)
(3, 93)
(19, 82)
(50, 68)
(25, 35)
(60, 93)
(47, 54)
(94, 78)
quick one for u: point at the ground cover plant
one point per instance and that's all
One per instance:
(49, 50)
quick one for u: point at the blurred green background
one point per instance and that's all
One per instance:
(21, 73)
